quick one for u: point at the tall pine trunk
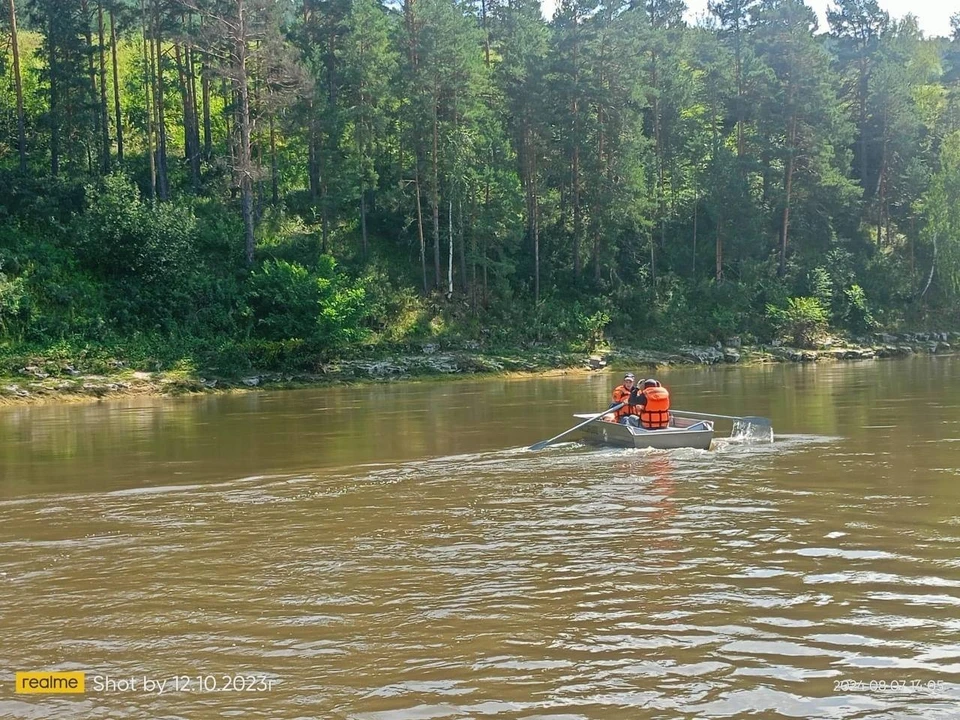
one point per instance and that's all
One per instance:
(882, 181)
(147, 93)
(360, 139)
(435, 193)
(534, 225)
(104, 107)
(274, 166)
(738, 62)
(719, 248)
(54, 97)
(788, 187)
(423, 249)
(93, 100)
(207, 124)
(21, 123)
(528, 168)
(116, 85)
(163, 181)
(461, 248)
(450, 246)
(575, 180)
(245, 160)
(696, 207)
(191, 68)
(191, 152)
(658, 150)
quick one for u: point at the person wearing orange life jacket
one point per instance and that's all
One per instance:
(653, 405)
(623, 393)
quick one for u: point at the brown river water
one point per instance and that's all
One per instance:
(395, 552)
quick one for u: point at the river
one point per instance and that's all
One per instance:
(394, 552)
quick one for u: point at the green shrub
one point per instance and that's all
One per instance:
(322, 307)
(802, 322)
(858, 316)
(283, 297)
(15, 305)
(821, 286)
(143, 252)
(342, 306)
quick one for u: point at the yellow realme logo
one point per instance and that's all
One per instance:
(50, 682)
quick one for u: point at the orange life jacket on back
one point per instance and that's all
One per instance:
(655, 414)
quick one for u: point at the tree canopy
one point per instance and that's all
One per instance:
(327, 174)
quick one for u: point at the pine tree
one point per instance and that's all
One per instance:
(734, 17)
(804, 128)
(242, 36)
(857, 26)
(522, 40)
(66, 54)
(370, 66)
(569, 84)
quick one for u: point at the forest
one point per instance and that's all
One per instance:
(232, 184)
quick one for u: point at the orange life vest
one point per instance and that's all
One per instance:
(621, 395)
(655, 414)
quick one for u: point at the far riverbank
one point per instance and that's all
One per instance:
(47, 380)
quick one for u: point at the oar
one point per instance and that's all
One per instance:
(543, 443)
(751, 425)
(750, 419)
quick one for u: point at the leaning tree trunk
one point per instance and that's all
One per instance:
(423, 249)
(788, 187)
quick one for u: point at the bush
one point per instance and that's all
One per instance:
(143, 251)
(858, 318)
(15, 307)
(283, 297)
(802, 322)
(322, 306)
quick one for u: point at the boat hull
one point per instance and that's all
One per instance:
(682, 433)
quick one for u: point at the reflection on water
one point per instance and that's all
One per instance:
(406, 557)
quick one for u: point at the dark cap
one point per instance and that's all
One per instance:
(629, 376)
(651, 383)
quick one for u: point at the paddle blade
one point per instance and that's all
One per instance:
(540, 445)
(753, 429)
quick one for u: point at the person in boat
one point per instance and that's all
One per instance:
(627, 394)
(651, 405)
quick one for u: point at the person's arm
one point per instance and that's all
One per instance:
(637, 398)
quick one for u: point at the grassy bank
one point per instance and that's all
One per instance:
(84, 373)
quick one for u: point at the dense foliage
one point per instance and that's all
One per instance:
(332, 175)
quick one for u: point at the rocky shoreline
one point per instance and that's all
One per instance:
(881, 345)
(48, 381)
